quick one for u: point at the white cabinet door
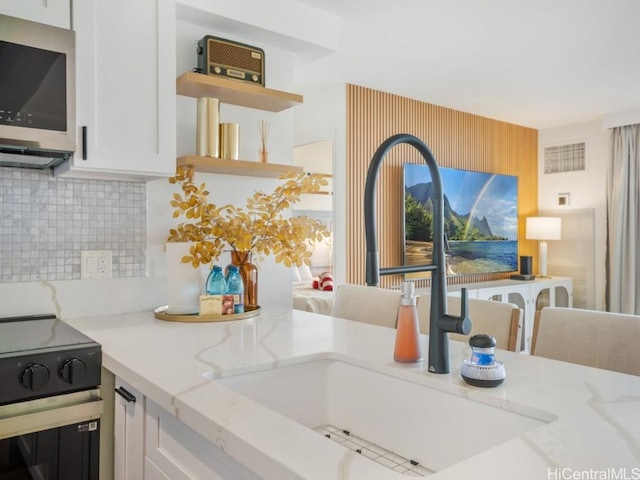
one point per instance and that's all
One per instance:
(152, 472)
(494, 294)
(50, 12)
(175, 451)
(129, 413)
(125, 72)
(563, 294)
(519, 295)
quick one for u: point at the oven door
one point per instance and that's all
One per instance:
(55, 438)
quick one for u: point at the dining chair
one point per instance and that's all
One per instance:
(588, 337)
(499, 319)
(378, 306)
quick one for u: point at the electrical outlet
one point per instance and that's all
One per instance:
(95, 264)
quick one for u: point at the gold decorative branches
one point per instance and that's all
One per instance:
(259, 228)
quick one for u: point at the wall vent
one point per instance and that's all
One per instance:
(564, 158)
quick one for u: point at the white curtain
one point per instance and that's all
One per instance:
(623, 222)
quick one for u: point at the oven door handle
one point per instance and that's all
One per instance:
(36, 421)
(127, 395)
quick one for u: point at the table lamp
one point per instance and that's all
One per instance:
(543, 229)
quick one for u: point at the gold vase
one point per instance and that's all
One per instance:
(229, 140)
(249, 274)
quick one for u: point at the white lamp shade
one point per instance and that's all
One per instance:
(544, 228)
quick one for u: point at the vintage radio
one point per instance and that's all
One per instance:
(218, 56)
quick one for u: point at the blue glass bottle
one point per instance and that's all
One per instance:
(235, 287)
(216, 284)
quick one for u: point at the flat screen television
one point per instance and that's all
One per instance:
(481, 220)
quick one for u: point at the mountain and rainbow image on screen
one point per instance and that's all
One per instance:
(480, 220)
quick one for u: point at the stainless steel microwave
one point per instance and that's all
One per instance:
(37, 94)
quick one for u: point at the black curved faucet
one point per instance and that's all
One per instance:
(441, 322)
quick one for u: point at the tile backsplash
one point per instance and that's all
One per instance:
(46, 221)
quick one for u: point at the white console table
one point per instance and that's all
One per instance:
(529, 295)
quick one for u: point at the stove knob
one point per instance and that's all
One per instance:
(35, 376)
(72, 371)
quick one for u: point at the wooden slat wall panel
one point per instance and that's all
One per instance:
(457, 139)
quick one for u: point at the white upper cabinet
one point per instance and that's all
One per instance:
(125, 76)
(50, 12)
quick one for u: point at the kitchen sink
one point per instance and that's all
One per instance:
(427, 426)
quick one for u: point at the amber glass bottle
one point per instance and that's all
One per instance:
(408, 348)
(249, 274)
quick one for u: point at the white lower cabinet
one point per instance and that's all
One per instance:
(153, 472)
(177, 452)
(152, 444)
(128, 430)
(529, 296)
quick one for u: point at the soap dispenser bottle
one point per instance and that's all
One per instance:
(408, 348)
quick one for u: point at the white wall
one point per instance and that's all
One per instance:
(274, 279)
(322, 117)
(305, 33)
(316, 157)
(279, 76)
(587, 189)
(308, 32)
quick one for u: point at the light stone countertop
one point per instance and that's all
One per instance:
(597, 430)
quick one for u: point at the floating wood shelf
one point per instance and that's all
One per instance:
(237, 167)
(235, 92)
(321, 192)
(323, 175)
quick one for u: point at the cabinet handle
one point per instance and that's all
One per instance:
(128, 396)
(84, 143)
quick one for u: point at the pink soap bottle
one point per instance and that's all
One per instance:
(408, 348)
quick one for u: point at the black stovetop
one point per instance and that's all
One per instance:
(42, 356)
(38, 333)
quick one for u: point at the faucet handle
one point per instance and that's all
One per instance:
(464, 326)
(460, 324)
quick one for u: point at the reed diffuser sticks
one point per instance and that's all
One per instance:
(263, 128)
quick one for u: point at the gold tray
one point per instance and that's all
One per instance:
(161, 314)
